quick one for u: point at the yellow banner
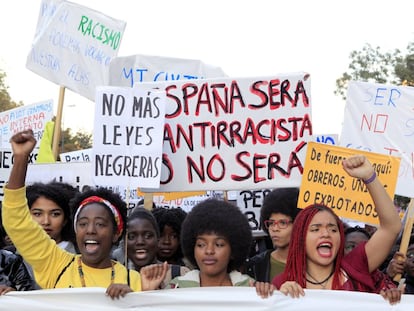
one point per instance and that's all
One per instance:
(324, 181)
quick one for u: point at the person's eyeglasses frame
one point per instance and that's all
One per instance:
(281, 223)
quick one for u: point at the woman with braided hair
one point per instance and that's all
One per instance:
(316, 258)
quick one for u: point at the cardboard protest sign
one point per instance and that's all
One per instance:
(326, 182)
(34, 116)
(380, 118)
(127, 137)
(74, 45)
(233, 134)
(129, 70)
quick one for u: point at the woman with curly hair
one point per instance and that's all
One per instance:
(216, 239)
(49, 206)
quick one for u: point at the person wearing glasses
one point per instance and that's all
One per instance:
(277, 214)
(316, 258)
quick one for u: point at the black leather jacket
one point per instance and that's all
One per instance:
(13, 272)
(258, 267)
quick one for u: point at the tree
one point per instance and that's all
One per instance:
(373, 65)
(81, 140)
(6, 102)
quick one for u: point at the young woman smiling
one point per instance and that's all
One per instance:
(99, 222)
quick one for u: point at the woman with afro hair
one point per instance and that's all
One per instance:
(215, 239)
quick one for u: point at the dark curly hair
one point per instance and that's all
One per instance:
(280, 200)
(61, 194)
(172, 217)
(222, 218)
(107, 194)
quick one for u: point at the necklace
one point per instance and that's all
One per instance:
(322, 283)
(82, 276)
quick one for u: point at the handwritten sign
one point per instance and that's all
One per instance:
(6, 163)
(326, 182)
(129, 70)
(127, 139)
(380, 118)
(74, 45)
(84, 155)
(34, 116)
(330, 139)
(234, 134)
(250, 202)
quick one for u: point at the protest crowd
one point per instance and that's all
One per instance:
(330, 225)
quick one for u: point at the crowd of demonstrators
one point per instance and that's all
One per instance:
(403, 265)
(316, 258)
(169, 223)
(278, 211)
(141, 244)
(99, 222)
(215, 239)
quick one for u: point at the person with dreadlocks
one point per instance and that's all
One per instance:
(316, 258)
(99, 222)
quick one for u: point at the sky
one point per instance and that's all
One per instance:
(245, 38)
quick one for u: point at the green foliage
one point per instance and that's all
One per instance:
(6, 102)
(80, 140)
(375, 66)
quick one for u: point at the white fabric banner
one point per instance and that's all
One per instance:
(200, 299)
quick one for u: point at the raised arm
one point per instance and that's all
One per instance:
(381, 242)
(23, 144)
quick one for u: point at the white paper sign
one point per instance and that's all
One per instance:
(34, 116)
(74, 46)
(84, 155)
(129, 70)
(235, 134)
(128, 135)
(380, 118)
